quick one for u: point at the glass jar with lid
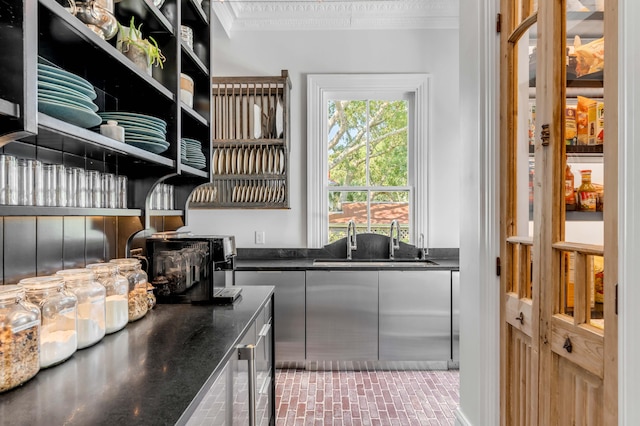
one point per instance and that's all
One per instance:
(19, 338)
(91, 312)
(117, 288)
(137, 278)
(58, 332)
(143, 276)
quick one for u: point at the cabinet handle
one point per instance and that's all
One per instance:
(265, 386)
(520, 318)
(247, 353)
(265, 330)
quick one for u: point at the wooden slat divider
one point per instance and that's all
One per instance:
(592, 249)
(528, 241)
(581, 295)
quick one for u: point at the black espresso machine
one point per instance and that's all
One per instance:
(187, 268)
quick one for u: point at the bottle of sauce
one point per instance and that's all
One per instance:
(587, 194)
(569, 192)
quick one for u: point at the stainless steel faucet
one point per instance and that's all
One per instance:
(352, 244)
(422, 250)
(394, 243)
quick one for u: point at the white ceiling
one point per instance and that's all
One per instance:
(253, 15)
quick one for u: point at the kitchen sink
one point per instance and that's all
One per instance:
(374, 263)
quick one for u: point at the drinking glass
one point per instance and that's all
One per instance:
(94, 189)
(25, 182)
(109, 190)
(169, 197)
(8, 180)
(81, 188)
(122, 183)
(72, 186)
(60, 174)
(50, 185)
(38, 183)
(155, 202)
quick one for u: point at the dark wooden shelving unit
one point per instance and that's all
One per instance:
(44, 31)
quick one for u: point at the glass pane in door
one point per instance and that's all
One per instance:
(524, 9)
(584, 140)
(523, 116)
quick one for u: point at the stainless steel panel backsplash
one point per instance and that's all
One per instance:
(19, 248)
(41, 245)
(49, 245)
(95, 239)
(74, 242)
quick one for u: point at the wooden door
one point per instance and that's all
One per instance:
(559, 361)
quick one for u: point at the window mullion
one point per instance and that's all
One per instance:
(369, 210)
(367, 188)
(367, 147)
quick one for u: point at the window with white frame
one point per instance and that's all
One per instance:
(367, 151)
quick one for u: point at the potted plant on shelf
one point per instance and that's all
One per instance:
(143, 52)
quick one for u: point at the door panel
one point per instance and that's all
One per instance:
(519, 313)
(415, 315)
(578, 396)
(289, 309)
(519, 369)
(455, 316)
(558, 261)
(342, 315)
(586, 344)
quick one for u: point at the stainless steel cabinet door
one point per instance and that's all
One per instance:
(213, 410)
(289, 313)
(264, 367)
(342, 315)
(415, 315)
(455, 316)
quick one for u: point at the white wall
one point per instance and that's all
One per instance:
(629, 213)
(345, 51)
(479, 245)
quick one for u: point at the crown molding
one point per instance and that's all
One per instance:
(224, 15)
(260, 15)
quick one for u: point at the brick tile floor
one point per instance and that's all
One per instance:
(322, 398)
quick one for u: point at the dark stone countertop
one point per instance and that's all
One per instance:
(370, 246)
(146, 374)
(304, 264)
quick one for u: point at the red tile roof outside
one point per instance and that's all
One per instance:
(381, 213)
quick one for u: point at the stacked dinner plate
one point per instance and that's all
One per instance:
(191, 153)
(142, 131)
(66, 96)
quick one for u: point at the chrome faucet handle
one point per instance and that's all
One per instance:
(394, 243)
(351, 238)
(422, 252)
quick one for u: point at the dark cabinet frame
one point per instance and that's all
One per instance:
(33, 31)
